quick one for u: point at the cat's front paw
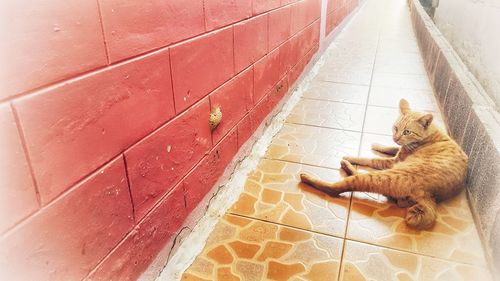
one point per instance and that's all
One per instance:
(347, 167)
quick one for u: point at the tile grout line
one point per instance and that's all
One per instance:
(343, 252)
(322, 127)
(299, 163)
(413, 253)
(334, 101)
(286, 225)
(336, 236)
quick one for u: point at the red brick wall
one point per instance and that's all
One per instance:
(104, 107)
(336, 11)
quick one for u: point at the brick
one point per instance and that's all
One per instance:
(74, 128)
(307, 39)
(36, 50)
(135, 253)
(199, 182)
(472, 130)
(332, 5)
(260, 112)
(18, 198)
(159, 161)
(295, 72)
(65, 240)
(336, 17)
(483, 182)
(315, 33)
(330, 23)
(266, 74)
(288, 55)
(134, 27)
(456, 108)
(235, 100)
(298, 16)
(245, 129)
(262, 6)
(286, 2)
(313, 10)
(279, 26)
(200, 65)
(223, 12)
(250, 41)
(442, 78)
(278, 92)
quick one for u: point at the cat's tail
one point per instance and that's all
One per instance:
(422, 215)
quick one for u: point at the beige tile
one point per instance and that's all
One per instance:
(313, 145)
(390, 97)
(245, 249)
(346, 67)
(454, 237)
(273, 193)
(345, 64)
(328, 114)
(379, 120)
(368, 139)
(402, 81)
(401, 65)
(337, 92)
(367, 262)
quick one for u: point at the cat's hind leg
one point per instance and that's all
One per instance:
(381, 182)
(389, 150)
(422, 215)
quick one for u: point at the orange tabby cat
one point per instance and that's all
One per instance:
(428, 167)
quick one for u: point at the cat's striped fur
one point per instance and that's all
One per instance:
(427, 168)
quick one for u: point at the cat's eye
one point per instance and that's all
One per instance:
(406, 132)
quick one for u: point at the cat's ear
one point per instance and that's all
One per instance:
(404, 106)
(425, 120)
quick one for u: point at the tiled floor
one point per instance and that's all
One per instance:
(280, 229)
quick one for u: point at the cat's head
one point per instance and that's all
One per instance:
(411, 127)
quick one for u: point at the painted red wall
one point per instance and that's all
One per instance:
(336, 11)
(104, 107)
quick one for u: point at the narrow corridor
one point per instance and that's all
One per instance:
(280, 229)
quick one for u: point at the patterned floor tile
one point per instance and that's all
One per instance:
(337, 92)
(328, 114)
(379, 120)
(390, 97)
(367, 262)
(454, 237)
(313, 145)
(245, 249)
(273, 192)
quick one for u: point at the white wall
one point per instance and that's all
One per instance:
(473, 29)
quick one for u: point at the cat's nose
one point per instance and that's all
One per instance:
(396, 138)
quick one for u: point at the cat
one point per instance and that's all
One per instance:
(427, 168)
